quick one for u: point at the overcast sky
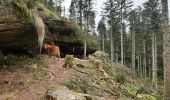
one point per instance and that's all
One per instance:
(99, 4)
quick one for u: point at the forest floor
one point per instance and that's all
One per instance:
(18, 83)
(38, 78)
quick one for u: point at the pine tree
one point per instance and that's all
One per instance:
(102, 32)
(85, 18)
(152, 7)
(112, 15)
(116, 12)
(124, 10)
(132, 20)
(58, 6)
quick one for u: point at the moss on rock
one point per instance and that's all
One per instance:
(24, 11)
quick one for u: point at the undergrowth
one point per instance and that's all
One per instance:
(119, 77)
(78, 86)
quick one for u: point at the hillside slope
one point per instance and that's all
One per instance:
(44, 78)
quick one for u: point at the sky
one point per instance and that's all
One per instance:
(99, 4)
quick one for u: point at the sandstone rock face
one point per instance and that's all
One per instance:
(18, 34)
(14, 31)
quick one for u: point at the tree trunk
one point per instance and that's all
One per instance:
(150, 68)
(81, 25)
(154, 59)
(124, 58)
(111, 43)
(166, 48)
(121, 32)
(81, 14)
(121, 42)
(85, 49)
(166, 52)
(103, 44)
(133, 52)
(144, 59)
(140, 65)
(156, 67)
(138, 69)
(116, 53)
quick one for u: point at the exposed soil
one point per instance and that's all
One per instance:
(19, 85)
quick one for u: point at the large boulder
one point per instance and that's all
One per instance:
(62, 93)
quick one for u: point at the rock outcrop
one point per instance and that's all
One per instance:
(17, 33)
(63, 93)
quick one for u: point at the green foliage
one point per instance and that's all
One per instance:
(119, 77)
(92, 41)
(79, 32)
(108, 69)
(145, 87)
(101, 55)
(81, 36)
(145, 90)
(84, 8)
(42, 97)
(42, 58)
(73, 85)
(38, 73)
(78, 86)
(104, 82)
(48, 12)
(25, 12)
(131, 88)
(69, 59)
(158, 97)
(145, 97)
(63, 18)
(51, 87)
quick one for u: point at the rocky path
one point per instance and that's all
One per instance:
(59, 75)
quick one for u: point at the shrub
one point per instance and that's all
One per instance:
(81, 36)
(108, 69)
(101, 55)
(131, 88)
(69, 60)
(78, 86)
(145, 90)
(124, 69)
(119, 77)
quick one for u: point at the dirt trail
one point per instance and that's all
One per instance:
(58, 75)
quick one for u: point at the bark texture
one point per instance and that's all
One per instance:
(166, 49)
